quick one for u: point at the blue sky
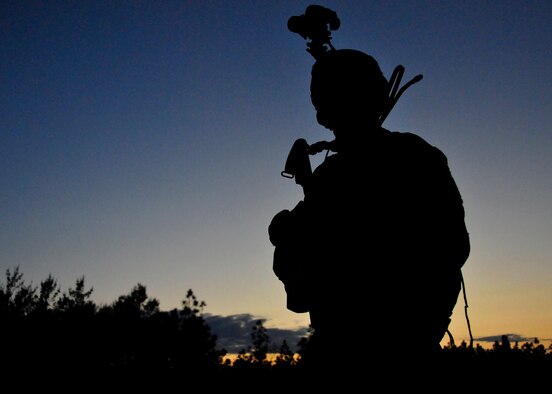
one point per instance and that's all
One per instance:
(142, 142)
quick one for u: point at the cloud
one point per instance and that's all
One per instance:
(234, 332)
(511, 337)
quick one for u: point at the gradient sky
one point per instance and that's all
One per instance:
(142, 142)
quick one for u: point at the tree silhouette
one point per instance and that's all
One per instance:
(195, 345)
(49, 331)
(47, 297)
(76, 301)
(285, 357)
(16, 298)
(261, 342)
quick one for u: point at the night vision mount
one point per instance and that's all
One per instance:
(315, 25)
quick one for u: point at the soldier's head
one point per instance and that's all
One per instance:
(348, 90)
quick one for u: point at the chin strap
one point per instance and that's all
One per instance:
(319, 146)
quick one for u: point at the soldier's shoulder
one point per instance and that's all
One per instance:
(413, 144)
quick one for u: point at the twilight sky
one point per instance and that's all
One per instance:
(142, 142)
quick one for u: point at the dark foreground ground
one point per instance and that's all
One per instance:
(447, 376)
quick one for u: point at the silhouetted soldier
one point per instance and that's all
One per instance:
(374, 251)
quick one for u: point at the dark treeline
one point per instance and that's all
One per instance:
(49, 330)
